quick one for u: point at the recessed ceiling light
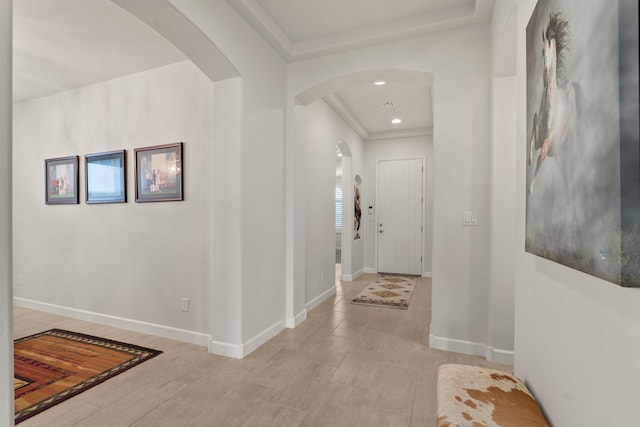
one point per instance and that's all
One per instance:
(396, 121)
(379, 83)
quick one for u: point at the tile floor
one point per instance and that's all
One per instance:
(346, 365)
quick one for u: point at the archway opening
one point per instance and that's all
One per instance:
(356, 243)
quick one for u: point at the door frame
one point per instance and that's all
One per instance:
(422, 207)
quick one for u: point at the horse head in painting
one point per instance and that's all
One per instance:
(558, 107)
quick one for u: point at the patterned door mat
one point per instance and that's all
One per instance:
(388, 291)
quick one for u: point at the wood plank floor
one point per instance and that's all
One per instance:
(346, 365)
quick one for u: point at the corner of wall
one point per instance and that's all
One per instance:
(505, 357)
(321, 298)
(242, 350)
(351, 277)
(295, 321)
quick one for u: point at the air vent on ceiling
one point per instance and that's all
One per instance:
(388, 104)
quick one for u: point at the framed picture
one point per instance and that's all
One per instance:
(583, 145)
(105, 177)
(159, 173)
(61, 180)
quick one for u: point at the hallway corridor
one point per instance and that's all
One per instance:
(346, 365)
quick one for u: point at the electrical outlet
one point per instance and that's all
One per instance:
(185, 304)
(322, 275)
(470, 218)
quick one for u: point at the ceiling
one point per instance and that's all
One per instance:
(304, 28)
(64, 44)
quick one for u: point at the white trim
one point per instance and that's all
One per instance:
(396, 134)
(351, 277)
(240, 351)
(370, 270)
(427, 274)
(264, 336)
(338, 105)
(415, 25)
(321, 298)
(164, 331)
(474, 348)
(220, 348)
(293, 322)
(505, 357)
(456, 345)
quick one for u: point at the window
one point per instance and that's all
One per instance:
(338, 208)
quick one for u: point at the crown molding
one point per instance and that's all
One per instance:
(340, 108)
(476, 12)
(338, 105)
(405, 133)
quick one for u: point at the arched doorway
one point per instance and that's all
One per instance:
(353, 250)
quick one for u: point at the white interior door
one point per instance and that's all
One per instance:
(399, 222)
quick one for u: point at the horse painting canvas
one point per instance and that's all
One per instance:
(582, 197)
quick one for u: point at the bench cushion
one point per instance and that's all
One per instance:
(475, 396)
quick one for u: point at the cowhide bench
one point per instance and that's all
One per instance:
(481, 397)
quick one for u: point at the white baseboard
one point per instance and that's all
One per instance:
(264, 336)
(351, 277)
(184, 335)
(427, 274)
(220, 348)
(370, 270)
(505, 357)
(321, 298)
(240, 351)
(293, 322)
(456, 345)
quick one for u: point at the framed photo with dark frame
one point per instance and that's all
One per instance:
(106, 177)
(159, 172)
(61, 181)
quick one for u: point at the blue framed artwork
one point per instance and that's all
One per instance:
(106, 177)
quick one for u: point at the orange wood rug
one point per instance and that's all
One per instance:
(54, 365)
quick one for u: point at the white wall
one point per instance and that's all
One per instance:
(401, 148)
(261, 170)
(323, 129)
(503, 187)
(6, 311)
(577, 338)
(225, 300)
(133, 261)
(253, 278)
(503, 220)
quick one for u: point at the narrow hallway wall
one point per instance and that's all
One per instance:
(6, 279)
(130, 261)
